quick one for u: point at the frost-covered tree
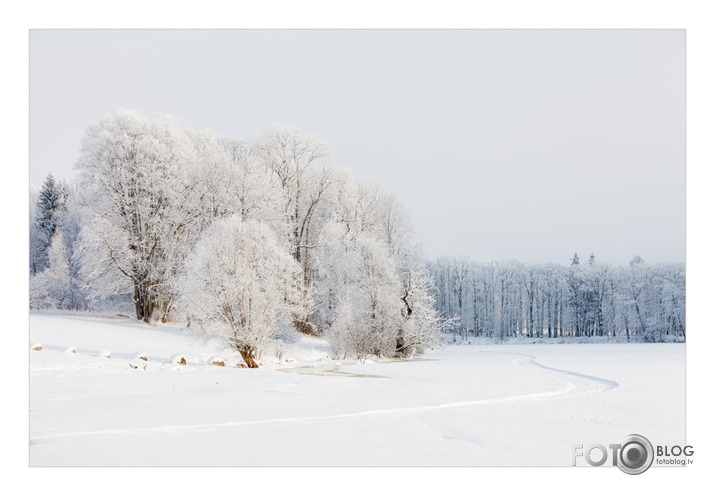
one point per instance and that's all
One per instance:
(68, 222)
(369, 227)
(213, 177)
(598, 287)
(301, 173)
(39, 296)
(300, 167)
(36, 244)
(52, 287)
(71, 229)
(335, 284)
(49, 215)
(576, 314)
(422, 326)
(358, 293)
(242, 286)
(136, 176)
(230, 179)
(58, 271)
(673, 298)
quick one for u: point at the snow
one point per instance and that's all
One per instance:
(478, 405)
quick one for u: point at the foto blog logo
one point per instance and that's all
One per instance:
(633, 455)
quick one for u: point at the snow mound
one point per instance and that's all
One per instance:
(36, 347)
(72, 350)
(218, 361)
(105, 354)
(178, 359)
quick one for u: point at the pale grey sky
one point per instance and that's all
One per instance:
(501, 143)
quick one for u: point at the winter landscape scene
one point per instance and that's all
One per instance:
(355, 248)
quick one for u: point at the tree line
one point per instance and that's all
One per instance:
(639, 301)
(246, 239)
(241, 238)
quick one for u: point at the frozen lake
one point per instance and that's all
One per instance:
(499, 405)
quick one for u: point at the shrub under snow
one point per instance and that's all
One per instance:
(218, 361)
(178, 359)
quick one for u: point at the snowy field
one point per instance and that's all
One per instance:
(498, 405)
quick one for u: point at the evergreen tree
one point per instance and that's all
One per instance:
(50, 214)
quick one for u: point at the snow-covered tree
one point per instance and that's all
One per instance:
(52, 287)
(71, 229)
(422, 326)
(242, 286)
(58, 271)
(302, 174)
(39, 296)
(213, 177)
(36, 244)
(358, 293)
(367, 227)
(231, 179)
(300, 166)
(49, 215)
(251, 193)
(673, 298)
(135, 173)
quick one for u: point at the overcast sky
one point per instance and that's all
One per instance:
(502, 144)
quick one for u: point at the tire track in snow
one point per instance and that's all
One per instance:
(576, 384)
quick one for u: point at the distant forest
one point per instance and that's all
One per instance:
(640, 301)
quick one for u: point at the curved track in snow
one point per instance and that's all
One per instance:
(580, 384)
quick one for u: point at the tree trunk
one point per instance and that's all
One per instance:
(248, 356)
(138, 304)
(143, 302)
